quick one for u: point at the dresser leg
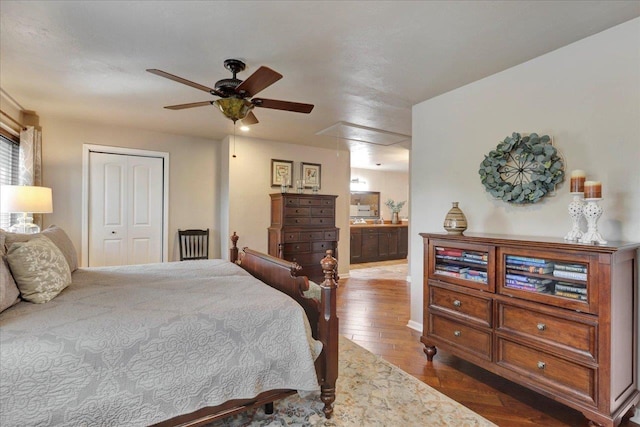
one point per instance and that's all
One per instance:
(594, 424)
(430, 351)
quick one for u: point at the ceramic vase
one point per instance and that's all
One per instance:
(394, 218)
(455, 222)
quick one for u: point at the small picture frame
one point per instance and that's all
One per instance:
(311, 174)
(281, 172)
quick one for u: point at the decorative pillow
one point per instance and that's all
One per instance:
(57, 236)
(39, 268)
(9, 293)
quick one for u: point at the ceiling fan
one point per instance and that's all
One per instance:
(236, 96)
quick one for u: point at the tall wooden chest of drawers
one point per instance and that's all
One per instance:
(303, 227)
(560, 318)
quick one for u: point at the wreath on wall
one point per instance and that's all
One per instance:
(522, 169)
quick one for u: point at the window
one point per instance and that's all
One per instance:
(9, 151)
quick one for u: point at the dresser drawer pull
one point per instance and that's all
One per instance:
(457, 333)
(541, 326)
(457, 303)
(541, 365)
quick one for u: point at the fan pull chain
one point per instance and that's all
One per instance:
(234, 139)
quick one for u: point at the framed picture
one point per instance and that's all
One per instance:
(310, 173)
(281, 172)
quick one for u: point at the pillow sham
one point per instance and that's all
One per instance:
(9, 293)
(56, 235)
(39, 269)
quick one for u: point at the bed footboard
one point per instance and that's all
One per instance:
(282, 275)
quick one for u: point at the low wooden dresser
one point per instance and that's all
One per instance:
(303, 227)
(559, 318)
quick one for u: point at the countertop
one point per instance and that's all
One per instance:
(402, 224)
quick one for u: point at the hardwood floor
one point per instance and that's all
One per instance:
(373, 307)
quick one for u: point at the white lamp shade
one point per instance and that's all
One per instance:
(25, 198)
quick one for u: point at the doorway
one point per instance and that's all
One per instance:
(125, 206)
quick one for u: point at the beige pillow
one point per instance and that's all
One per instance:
(57, 236)
(39, 268)
(9, 293)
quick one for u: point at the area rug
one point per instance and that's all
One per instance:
(371, 392)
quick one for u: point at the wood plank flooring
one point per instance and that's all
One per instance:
(374, 308)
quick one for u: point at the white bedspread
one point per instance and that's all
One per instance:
(134, 345)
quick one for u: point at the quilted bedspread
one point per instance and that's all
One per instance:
(134, 345)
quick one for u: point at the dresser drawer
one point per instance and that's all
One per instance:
(322, 212)
(297, 221)
(565, 377)
(568, 334)
(308, 236)
(472, 307)
(291, 237)
(299, 247)
(460, 335)
(310, 202)
(331, 235)
(321, 246)
(296, 211)
(321, 221)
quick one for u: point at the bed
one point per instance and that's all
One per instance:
(169, 344)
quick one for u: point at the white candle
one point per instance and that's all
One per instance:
(577, 181)
(592, 190)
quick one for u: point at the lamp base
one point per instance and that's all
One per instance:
(25, 225)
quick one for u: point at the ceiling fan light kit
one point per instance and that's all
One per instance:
(236, 100)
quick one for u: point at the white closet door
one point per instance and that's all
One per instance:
(125, 209)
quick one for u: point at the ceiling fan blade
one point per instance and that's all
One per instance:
(180, 80)
(190, 105)
(283, 105)
(250, 119)
(260, 80)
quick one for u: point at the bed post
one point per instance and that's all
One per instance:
(233, 251)
(328, 333)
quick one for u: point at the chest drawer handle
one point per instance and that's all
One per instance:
(457, 303)
(541, 326)
(457, 333)
(541, 365)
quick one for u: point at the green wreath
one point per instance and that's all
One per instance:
(522, 169)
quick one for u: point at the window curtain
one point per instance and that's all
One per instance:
(30, 161)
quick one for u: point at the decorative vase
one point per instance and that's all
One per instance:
(455, 222)
(394, 218)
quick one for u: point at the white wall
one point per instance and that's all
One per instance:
(391, 185)
(586, 96)
(193, 175)
(249, 186)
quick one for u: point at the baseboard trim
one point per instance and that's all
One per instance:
(415, 326)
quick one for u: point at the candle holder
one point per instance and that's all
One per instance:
(576, 208)
(592, 212)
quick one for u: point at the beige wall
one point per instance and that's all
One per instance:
(193, 174)
(391, 185)
(249, 185)
(586, 96)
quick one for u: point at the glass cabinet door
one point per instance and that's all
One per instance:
(462, 264)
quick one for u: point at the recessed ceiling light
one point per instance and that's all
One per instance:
(244, 128)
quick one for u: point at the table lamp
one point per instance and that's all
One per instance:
(25, 199)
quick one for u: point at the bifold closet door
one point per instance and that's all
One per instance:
(125, 209)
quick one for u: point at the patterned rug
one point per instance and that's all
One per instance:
(371, 392)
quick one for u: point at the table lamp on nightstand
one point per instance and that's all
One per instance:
(25, 199)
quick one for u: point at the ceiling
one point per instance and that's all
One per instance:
(361, 63)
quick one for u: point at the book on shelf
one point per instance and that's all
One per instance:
(454, 268)
(482, 256)
(542, 285)
(572, 295)
(527, 279)
(449, 257)
(570, 275)
(570, 287)
(531, 268)
(526, 287)
(523, 259)
(529, 263)
(472, 272)
(448, 251)
(576, 268)
(482, 279)
(474, 261)
(450, 273)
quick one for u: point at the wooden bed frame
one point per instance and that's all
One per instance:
(282, 275)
